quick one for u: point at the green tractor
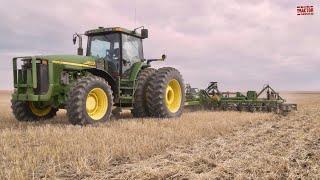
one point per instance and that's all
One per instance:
(111, 76)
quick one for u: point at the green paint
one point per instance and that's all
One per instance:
(204, 98)
(34, 73)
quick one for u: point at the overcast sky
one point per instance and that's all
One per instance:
(241, 44)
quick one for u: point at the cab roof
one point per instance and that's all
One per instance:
(102, 30)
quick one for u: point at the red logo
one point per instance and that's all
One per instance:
(305, 10)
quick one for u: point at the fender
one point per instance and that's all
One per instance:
(105, 75)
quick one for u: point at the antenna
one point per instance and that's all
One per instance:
(135, 13)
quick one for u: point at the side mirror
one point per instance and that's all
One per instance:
(144, 33)
(163, 57)
(80, 49)
(74, 40)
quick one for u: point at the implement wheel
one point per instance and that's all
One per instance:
(90, 101)
(166, 93)
(252, 108)
(32, 111)
(240, 107)
(140, 108)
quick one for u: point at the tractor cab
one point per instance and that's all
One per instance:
(116, 49)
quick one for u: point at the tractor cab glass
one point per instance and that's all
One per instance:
(106, 47)
(131, 52)
(117, 60)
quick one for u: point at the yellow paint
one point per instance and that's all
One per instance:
(97, 103)
(73, 64)
(90, 63)
(173, 96)
(39, 111)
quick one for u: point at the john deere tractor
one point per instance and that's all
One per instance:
(111, 76)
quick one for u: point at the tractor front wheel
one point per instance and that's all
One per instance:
(90, 101)
(166, 93)
(32, 111)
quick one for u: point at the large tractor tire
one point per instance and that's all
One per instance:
(90, 101)
(140, 103)
(32, 111)
(166, 93)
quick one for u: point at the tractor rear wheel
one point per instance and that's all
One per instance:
(140, 103)
(90, 101)
(166, 93)
(32, 111)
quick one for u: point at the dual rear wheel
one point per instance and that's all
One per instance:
(159, 93)
(165, 94)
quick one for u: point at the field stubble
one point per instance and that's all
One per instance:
(197, 145)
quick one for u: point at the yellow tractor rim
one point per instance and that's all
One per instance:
(97, 103)
(173, 96)
(39, 111)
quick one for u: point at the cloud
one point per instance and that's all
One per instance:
(241, 44)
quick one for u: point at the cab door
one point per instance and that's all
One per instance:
(131, 53)
(106, 48)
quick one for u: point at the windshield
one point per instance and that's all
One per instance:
(106, 47)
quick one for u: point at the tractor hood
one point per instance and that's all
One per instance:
(70, 60)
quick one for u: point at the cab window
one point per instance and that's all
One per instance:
(131, 51)
(106, 47)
